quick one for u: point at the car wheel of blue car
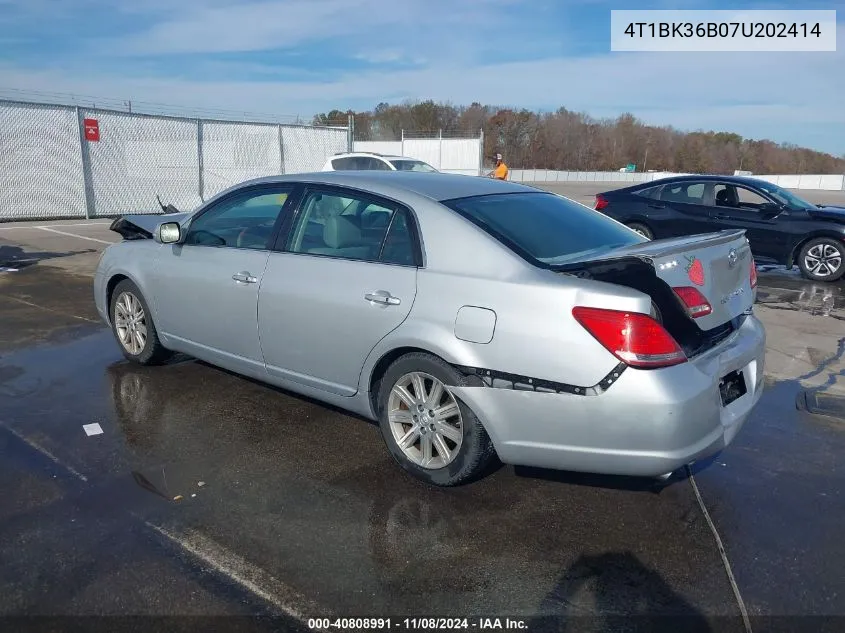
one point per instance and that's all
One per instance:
(821, 259)
(642, 229)
(428, 431)
(133, 327)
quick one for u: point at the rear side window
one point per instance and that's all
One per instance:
(650, 192)
(687, 193)
(374, 163)
(544, 228)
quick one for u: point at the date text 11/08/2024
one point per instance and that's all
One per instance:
(416, 624)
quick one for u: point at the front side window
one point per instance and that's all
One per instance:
(351, 227)
(242, 221)
(785, 197)
(737, 197)
(544, 228)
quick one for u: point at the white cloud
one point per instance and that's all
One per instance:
(762, 94)
(273, 24)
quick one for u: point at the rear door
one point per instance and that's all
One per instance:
(324, 304)
(689, 205)
(738, 207)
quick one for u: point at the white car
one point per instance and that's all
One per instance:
(371, 161)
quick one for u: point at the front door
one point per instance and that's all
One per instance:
(737, 207)
(206, 288)
(346, 278)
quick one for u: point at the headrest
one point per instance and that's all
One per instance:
(340, 232)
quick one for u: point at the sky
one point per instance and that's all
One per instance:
(300, 57)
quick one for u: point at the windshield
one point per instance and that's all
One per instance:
(545, 228)
(784, 196)
(412, 165)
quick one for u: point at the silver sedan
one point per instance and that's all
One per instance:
(478, 321)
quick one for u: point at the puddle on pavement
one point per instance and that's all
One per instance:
(783, 291)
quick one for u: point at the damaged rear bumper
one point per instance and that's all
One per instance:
(647, 423)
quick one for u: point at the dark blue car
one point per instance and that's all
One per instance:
(782, 227)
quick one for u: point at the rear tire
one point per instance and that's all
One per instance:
(642, 229)
(444, 442)
(821, 259)
(133, 326)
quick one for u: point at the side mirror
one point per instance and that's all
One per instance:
(169, 233)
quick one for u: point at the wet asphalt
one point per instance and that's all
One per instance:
(211, 494)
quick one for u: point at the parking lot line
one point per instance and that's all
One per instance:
(81, 237)
(242, 572)
(35, 305)
(33, 226)
(722, 552)
(44, 451)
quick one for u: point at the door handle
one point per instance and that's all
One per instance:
(244, 278)
(382, 297)
(657, 206)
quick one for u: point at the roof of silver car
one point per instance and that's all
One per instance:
(437, 186)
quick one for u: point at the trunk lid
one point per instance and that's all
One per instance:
(717, 265)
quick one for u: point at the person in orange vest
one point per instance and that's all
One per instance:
(501, 170)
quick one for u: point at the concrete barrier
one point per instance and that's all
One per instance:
(815, 182)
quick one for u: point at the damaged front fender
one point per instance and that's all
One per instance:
(141, 226)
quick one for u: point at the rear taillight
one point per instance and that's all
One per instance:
(697, 306)
(633, 337)
(753, 274)
(601, 202)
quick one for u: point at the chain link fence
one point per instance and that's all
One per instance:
(60, 161)
(41, 172)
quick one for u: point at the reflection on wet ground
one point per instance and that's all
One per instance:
(785, 291)
(310, 496)
(211, 493)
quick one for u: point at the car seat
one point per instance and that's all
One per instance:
(343, 239)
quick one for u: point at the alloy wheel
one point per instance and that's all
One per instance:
(130, 323)
(823, 260)
(425, 420)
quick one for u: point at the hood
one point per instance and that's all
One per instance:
(826, 212)
(141, 225)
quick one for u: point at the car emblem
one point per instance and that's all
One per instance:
(733, 258)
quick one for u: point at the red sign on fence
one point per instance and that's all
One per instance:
(92, 130)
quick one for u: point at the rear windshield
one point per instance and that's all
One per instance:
(544, 228)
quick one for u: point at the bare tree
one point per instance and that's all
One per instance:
(571, 140)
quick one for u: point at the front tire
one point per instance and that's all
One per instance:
(429, 432)
(821, 259)
(133, 327)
